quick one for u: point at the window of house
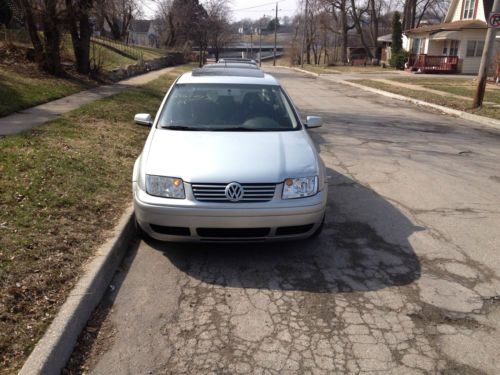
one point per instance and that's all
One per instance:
(454, 47)
(415, 47)
(468, 9)
(475, 48)
(418, 46)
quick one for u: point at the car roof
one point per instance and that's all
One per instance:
(228, 76)
(230, 64)
(237, 59)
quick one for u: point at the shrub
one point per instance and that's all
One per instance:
(398, 59)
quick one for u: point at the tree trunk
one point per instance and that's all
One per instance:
(374, 24)
(33, 32)
(80, 30)
(359, 29)
(114, 27)
(344, 30)
(52, 39)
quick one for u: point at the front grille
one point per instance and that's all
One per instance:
(216, 192)
(232, 232)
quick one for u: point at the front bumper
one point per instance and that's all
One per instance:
(191, 221)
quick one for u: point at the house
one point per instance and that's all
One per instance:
(454, 46)
(385, 43)
(143, 32)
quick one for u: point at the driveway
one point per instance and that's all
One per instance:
(404, 279)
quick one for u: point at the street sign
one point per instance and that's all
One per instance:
(494, 20)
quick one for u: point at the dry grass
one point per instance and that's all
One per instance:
(458, 86)
(451, 102)
(63, 186)
(23, 85)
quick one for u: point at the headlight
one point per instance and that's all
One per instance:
(300, 187)
(167, 187)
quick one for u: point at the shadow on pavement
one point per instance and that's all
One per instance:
(349, 256)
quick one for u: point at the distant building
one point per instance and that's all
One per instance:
(144, 33)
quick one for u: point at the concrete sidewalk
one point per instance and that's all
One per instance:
(38, 115)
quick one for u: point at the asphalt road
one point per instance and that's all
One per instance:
(404, 279)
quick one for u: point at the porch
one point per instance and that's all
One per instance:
(424, 63)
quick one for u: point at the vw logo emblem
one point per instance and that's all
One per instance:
(234, 192)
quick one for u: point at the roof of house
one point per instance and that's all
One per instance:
(140, 26)
(385, 38)
(457, 25)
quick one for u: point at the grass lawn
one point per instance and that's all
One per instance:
(110, 59)
(63, 186)
(461, 86)
(147, 53)
(25, 87)
(335, 69)
(361, 69)
(461, 104)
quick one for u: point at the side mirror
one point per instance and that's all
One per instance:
(314, 122)
(144, 119)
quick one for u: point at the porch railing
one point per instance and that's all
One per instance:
(433, 63)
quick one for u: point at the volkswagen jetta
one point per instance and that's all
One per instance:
(228, 159)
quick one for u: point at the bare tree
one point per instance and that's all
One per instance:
(47, 14)
(118, 15)
(78, 20)
(414, 11)
(218, 27)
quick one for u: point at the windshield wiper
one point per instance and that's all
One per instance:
(180, 127)
(237, 129)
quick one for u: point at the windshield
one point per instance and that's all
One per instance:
(228, 107)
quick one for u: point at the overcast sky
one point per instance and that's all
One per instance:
(243, 8)
(257, 8)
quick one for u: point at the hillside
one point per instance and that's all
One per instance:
(22, 85)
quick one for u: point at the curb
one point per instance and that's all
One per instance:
(450, 111)
(297, 70)
(54, 349)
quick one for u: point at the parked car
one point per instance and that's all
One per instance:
(228, 159)
(236, 60)
(231, 64)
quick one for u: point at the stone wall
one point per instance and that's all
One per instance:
(142, 67)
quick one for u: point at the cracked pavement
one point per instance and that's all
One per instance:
(404, 278)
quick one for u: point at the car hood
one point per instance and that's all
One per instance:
(222, 157)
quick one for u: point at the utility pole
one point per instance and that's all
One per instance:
(275, 33)
(303, 37)
(251, 43)
(260, 42)
(489, 46)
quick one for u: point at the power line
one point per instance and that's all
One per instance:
(258, 6)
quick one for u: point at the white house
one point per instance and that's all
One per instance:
(456, 45)
(143, 32)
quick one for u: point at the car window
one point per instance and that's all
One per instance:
(228, 107)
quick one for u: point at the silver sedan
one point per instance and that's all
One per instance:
(228, 159)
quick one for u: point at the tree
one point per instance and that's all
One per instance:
(5, 17)
(397, 33)
(118, 15)
(47, 14)
(275, 22)
(398, 55)
(78, 19)
(357, 15)
(414, 11)
(219, 30)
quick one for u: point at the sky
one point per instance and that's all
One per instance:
(257, 8)
(243, 8)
